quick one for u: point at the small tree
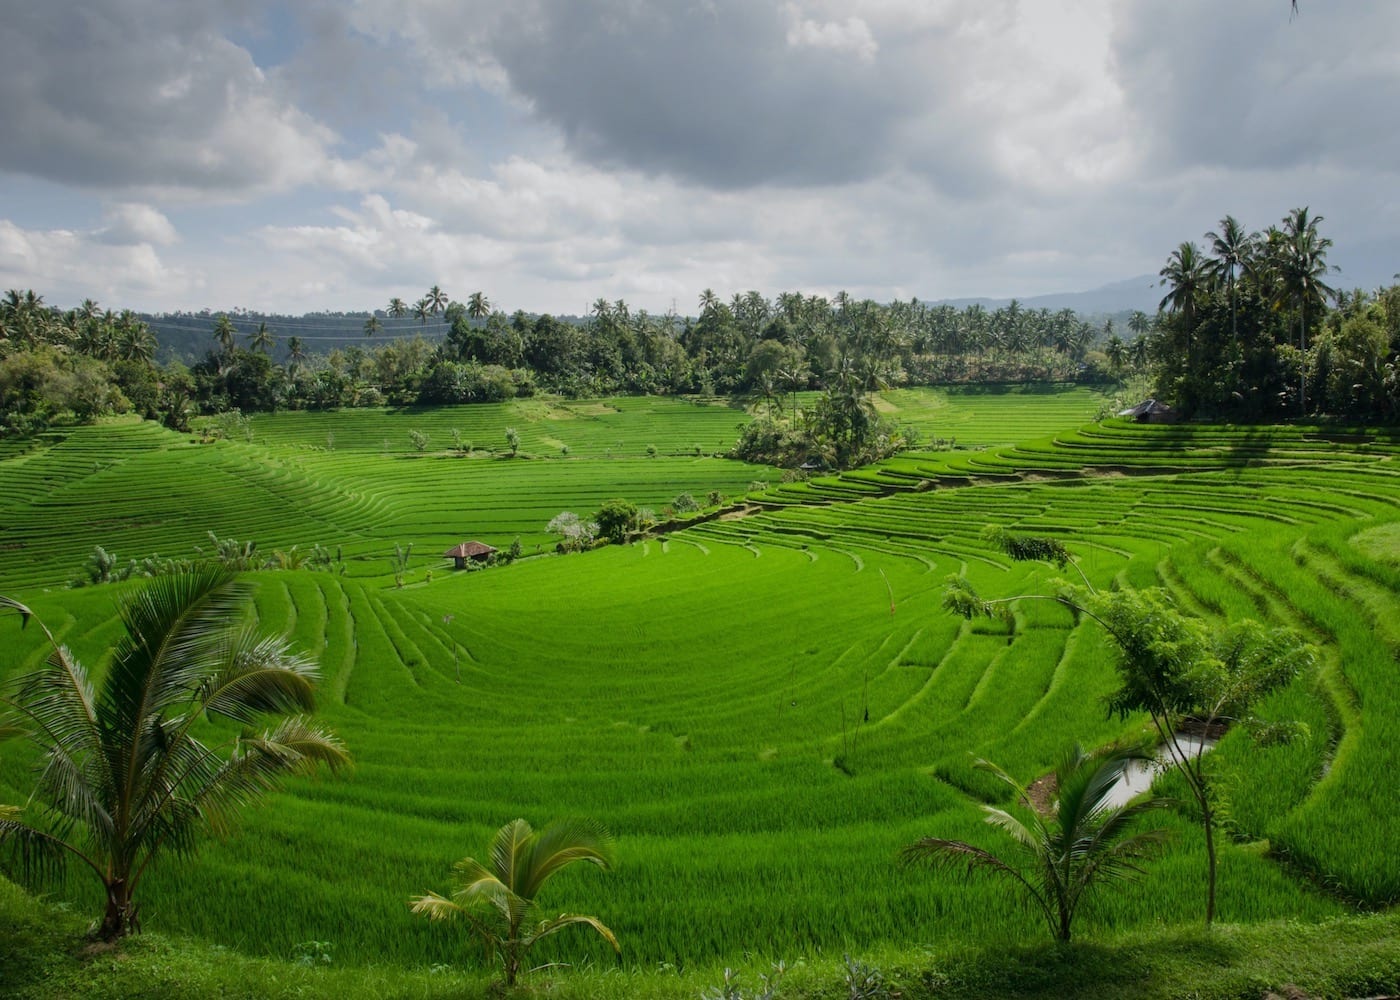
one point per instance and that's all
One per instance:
(574, 532)
(497, 898)
(1082, 841)
(684, 504)
(398, 562)
(1176, 668)
(125, 769)
(512, 441)
(419, 439)
(615, 519)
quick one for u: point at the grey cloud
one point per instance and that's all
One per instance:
(709, 92)
(145, 94)
(1240, 85)
(714, 92)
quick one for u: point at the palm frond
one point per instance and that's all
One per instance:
(548, 927)
(295, 746)
(435, 907)
(561, 844)
(258, 676)
(32, 852)
(71, 790)
(10, 604)
(58, 700)
(172, 625)
(508, 850)
(1027, 837)
(954, 854)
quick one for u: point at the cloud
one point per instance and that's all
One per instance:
(739, 94)
(1237, 86)
(851, 35)
(68, 265)
(132, 224)
(551, 151)
(147, 96)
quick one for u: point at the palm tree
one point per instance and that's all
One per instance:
(1117, 353)
(436, 299)
(1231, 249)
(422, 309)
(372, 325)
(521, 862)
(1138, 351)
(261, 339)
(1080, 842)
(478, 306)
(135, 342)
(296, 351)
(1301, 262)
(124, 770)
(398, 308)
(225, 333)
(1185, 272)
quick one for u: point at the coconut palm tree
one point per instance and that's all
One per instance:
(261, 339)
(497, 898)
(422, 309)
(478, 306)
(436, 299)
(398, 308)
(1082, 841)
(135, 341)
(225, 333)
(372, 325)
(1300, 262)
(1185, 273)
(128, 770)
(1231, 250)
(296, 351)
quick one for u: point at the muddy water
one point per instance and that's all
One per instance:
(1138, 776)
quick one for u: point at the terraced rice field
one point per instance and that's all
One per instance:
(763, 708)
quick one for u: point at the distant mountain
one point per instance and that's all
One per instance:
(1141, 292)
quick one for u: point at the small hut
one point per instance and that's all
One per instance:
(1150, 411)
(475, 551)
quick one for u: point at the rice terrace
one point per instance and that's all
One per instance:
(764, 708)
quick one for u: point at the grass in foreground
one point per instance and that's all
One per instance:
(44, 955)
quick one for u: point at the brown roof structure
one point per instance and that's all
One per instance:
(476, 551)
(468, 550)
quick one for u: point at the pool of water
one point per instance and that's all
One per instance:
(1138, 776)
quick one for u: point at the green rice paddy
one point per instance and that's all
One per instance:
(762, 708)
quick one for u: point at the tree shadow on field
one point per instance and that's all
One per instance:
(1252, 445)
(1079, 971)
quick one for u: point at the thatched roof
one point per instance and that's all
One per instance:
(1148, 408)
(468, 550)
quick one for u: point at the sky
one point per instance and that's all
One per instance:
(165, 155)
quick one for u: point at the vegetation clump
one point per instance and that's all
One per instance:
(1080, 842)
(125, 772)
(496, 898)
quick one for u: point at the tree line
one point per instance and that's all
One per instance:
(81, 362)
(1250, 329)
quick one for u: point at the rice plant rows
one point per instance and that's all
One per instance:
(763, 709)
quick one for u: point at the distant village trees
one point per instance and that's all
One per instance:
(1249, 328)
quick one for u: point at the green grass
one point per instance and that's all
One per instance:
(44, 957)
(762, 709)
